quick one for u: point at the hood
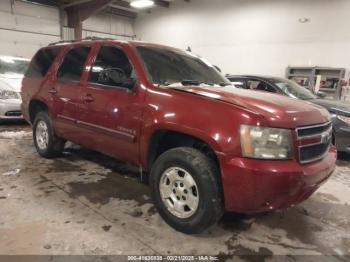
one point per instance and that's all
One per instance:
(333, 106)
(14, 81)
(278, 110)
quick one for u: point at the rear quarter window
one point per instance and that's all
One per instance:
(42, 62)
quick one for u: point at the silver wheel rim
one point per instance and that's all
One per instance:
(42, 135)
(179, 192)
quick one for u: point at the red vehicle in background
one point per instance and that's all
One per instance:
(207, 146)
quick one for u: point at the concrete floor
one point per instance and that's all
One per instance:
(86, 203)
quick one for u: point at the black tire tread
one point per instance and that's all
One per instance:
(56, 144)
(210, 175)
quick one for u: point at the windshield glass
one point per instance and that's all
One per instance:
(293, 89)
(172, 67)
(12, 65)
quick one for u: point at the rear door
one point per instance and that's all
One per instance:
(111, 114)
(66, 92)
(38, 76)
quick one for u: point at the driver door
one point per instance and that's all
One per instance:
(110, 113)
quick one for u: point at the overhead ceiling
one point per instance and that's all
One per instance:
(117, 7)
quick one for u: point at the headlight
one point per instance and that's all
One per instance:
(266, 143)
(344, 119)
(8, 94)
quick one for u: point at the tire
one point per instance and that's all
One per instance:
(195, 215)
(52, 146)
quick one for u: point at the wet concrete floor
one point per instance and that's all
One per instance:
(89, 204)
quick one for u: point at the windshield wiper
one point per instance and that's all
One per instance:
(194, 83)
(197, 83)
(190, 82)
(225, 84)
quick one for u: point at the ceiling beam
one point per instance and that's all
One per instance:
(75, 3)
(87, 9)
(162, 3)
(126, 4)
(120, 12)
(121, 3)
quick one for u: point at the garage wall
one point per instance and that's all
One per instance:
(255, 36)
(110, 26)
(24, 28)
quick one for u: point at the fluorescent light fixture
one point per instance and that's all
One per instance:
(142, 3)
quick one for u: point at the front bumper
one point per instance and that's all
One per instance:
(252, 186)
(10, 109)
(342, 135)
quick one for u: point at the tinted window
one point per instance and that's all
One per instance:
(293, 89)
(13, 65)
(173, 67)
(73, 64)
(260, 85)
(239, 83)
(41, 62)
(110, 60)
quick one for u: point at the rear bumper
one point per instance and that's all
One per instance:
(252, 186)
(9, 109)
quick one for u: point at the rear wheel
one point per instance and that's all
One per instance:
(186, 190)
(47, 144)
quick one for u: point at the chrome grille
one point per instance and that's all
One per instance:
(314, 142)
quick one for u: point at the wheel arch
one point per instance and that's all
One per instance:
(162, 140)
(36, 106)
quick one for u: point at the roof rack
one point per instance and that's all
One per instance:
(89, 38)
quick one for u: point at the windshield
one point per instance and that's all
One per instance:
(293, 89)
(12, 65)
(172, 67)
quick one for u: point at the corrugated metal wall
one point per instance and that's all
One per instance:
(109, 26)
(25, 27)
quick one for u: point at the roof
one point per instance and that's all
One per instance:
(261, 77)
(98, 39)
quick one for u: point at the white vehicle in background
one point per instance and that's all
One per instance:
(12, 70)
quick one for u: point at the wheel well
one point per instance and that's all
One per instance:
(164, 140)
(35, 107)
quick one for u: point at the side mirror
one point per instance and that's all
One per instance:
(129, 83)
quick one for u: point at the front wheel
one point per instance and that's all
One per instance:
(186, 190)
(47, 144)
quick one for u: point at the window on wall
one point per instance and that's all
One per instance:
(110, 60)
(72, 66)
(42, 62)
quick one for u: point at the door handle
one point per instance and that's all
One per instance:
(52, 91)
(88, 98)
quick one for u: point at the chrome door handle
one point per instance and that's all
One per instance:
(52, 91)
(88, 98)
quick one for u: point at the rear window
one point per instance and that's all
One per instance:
(42, 62)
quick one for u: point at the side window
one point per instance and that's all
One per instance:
(260, 85)
(42, 62)
(239, 83)
(111, 65)
(72, 66)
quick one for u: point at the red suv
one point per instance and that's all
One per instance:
(207, 146)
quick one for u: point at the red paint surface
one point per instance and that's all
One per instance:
(121, 123)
